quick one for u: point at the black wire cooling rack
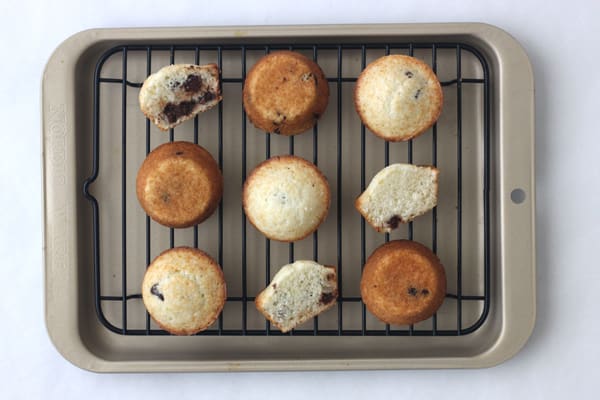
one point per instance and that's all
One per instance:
(101, 298)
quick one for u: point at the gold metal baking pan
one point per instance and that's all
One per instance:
(98, 241)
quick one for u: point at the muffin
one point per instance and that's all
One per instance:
(398, 194)
(398, 97)
(178, 92)
(285, 93)
(286, 198)
(184, 290)
(403, 282)
(298, 292)
(179, 184)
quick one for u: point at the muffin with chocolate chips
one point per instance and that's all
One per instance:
(178, 92)
(398, 194)
(286, 198)
(403, 282)
(398, 97)
(285, 93)
(184, 290)
(179, 184)
(298, 292)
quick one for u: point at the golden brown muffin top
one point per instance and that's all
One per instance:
(403, 282)
(285, 92)
(179, 184)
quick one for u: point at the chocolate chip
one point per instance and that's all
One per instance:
(206, 97)
(165, 197)
(330, 277)
(412, 291)
(393, 222)
(174, 111)
(274, 286)
(178, 153)
(408, 74)
(425, 292)
(192, 83)
(326, 298)
(154, 290)
(417, 94)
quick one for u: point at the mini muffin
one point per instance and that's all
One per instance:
(398, 97)
(403, 282)
(298, 292)
(286, 198)
(285, 93)
(178, 92)
(179, 184)
(398, 194)
(184, 290)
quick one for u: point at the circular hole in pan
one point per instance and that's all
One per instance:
(517, 196)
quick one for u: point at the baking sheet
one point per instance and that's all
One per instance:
(69, 245)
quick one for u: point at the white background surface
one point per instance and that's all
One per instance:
(561, 358)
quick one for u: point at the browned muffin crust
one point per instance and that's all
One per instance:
(179, 184)
(285, 93)
(403, 282)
